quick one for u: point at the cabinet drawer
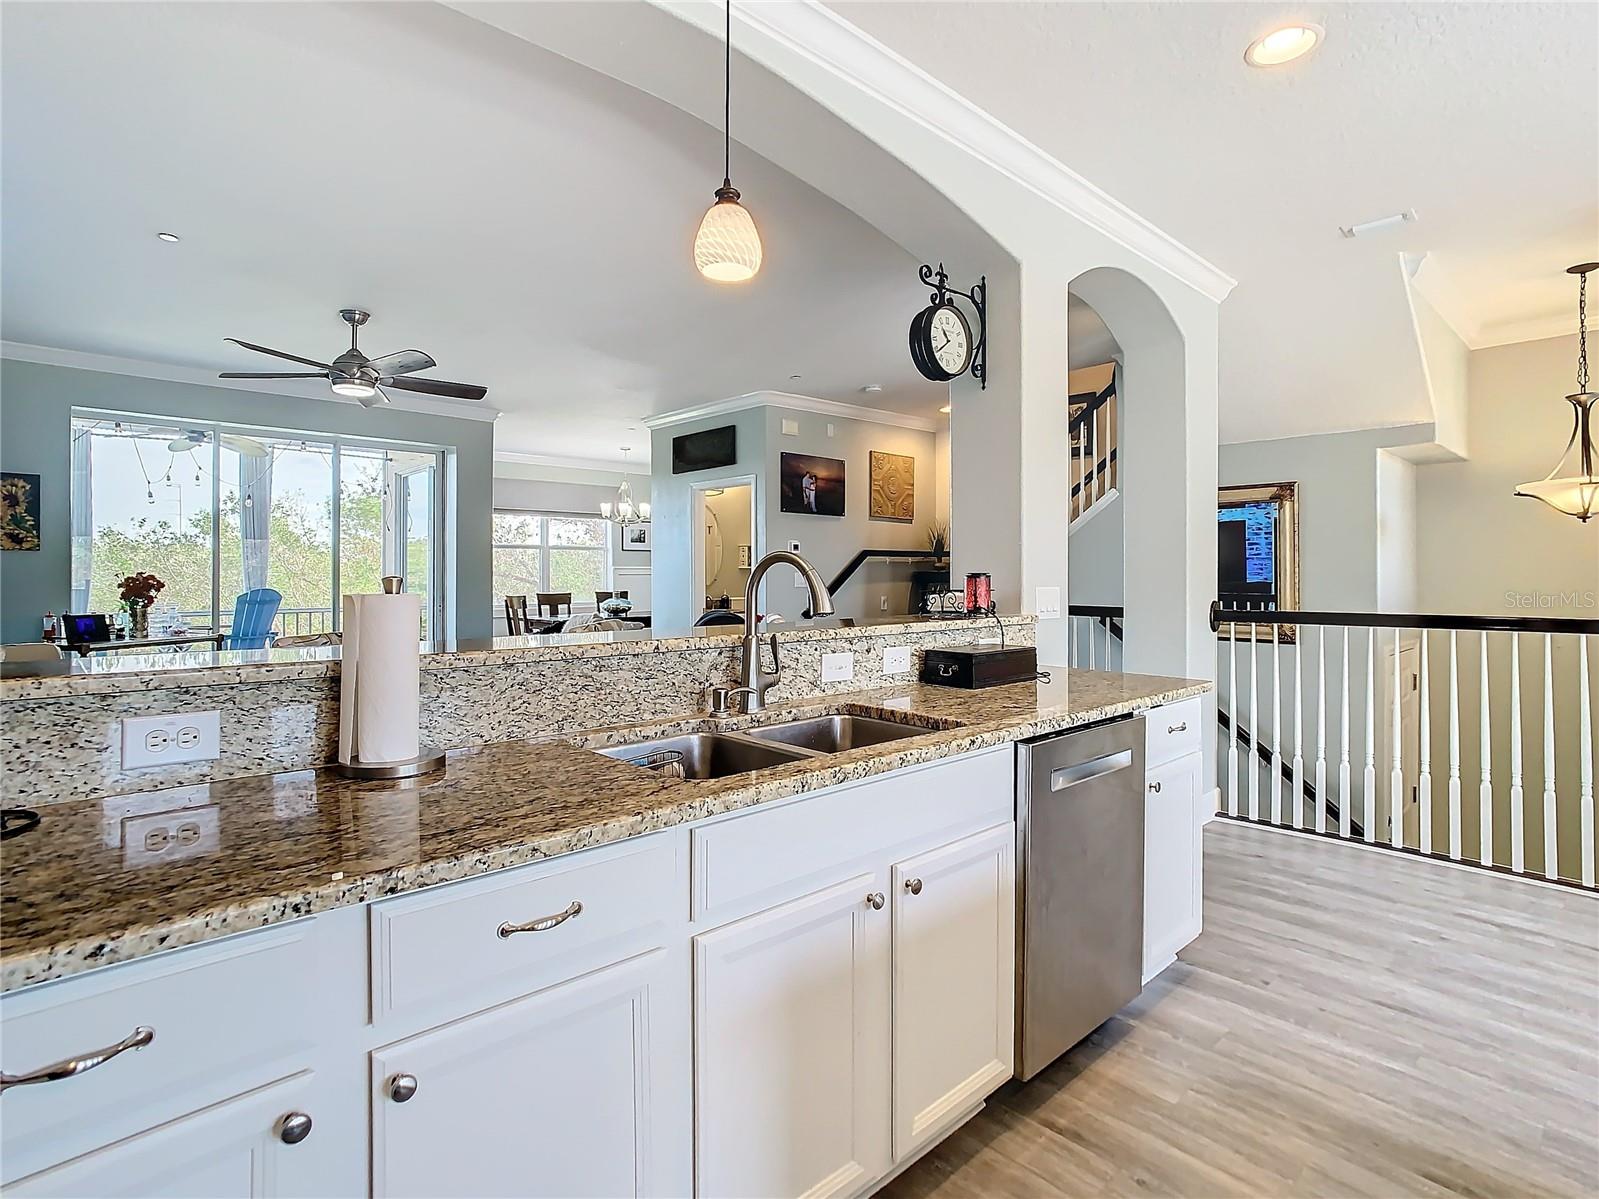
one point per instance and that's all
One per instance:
(226, 1017)
(473, 944)
(766, 856)
(1172, 731)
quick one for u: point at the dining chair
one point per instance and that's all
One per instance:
(253, 614)
(718, 616)
(554, 601)
(601, 596)
(515, 615)
(30, 651)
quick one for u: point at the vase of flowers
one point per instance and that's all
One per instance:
(138, 592)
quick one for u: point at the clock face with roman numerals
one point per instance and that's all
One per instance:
(941, 342)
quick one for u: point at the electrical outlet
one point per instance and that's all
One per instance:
(161, 837)
(838, 668)
(897, 659)
(882, 603)
(1046, 603)
(171, 740)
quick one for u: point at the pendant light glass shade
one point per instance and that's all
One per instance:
(727, 248)
(1572, 487)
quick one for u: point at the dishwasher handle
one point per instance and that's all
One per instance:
(1069, 776)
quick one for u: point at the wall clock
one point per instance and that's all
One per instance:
(942, 344)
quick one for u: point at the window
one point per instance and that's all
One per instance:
(550, 551)
(216, 510)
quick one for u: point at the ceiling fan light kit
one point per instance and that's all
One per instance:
(727, 248)
(1575, 491)
(353, 375)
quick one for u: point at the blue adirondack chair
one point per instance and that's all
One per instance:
(253, 614)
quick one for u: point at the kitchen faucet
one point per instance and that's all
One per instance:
(753, 676)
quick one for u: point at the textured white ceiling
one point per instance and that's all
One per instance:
(527, 222)
(1483, 117)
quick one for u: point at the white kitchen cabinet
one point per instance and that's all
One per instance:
(579, 1089)
(234, 1150)
(792, 1037)
(954, 978)
(1173, 858)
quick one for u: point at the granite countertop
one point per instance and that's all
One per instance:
(122, 672)
(74, 893)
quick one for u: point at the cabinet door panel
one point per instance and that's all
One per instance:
(792, 1047)
(568, 1092)
(1173, 861)
(954, 981)
(230, 1151)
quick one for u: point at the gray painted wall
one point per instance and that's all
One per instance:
(36, 403)
(1095, 550)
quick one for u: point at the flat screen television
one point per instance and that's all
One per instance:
(705, 450)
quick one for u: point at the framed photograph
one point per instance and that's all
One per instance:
(637, 537)
(1257, 553)
(814, 486)
(893, 486)
(19, 511)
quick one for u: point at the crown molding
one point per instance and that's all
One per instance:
(168, 373)
(615, 468)
(795, 403)
(827, 40)
(1532, 329)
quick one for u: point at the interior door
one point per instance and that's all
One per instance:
(416, 546)
(954, 981)
(568, 1092)
(792, 1047)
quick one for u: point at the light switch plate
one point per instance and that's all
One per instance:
(897, 659)
(838, 668)
(1046, 603)
(171, 740)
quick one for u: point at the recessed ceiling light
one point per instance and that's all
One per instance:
(169, 237)
(945, 408)
(1284, 45)
(872, 389)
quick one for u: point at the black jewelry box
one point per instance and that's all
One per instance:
(979, 665)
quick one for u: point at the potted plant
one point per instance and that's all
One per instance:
(138, 592)
(938, 539)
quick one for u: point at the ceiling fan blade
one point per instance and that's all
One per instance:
(438, 387)
(273, 375)
(378, 396)
(275, 353)
(402, 363)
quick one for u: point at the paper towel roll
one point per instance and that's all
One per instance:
(379, 686)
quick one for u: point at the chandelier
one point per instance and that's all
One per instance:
(1574, 490)
(623, 510)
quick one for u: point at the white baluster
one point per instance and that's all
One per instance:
(1424, 787)
(1321, 729)
(1585, 760)
(1485, 789)
(1276, 728)
(1346, 800)
(1455, 832)
(1551, 860)
(1093, 657)
(1518, 842)
(1232, 724)
(1297, 791)
(1254, 725)
(1369, 778)
(1396, 773)
(1102, 477)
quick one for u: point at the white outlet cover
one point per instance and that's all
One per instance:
(171, 740)
(838, 668)
(1046, 603)
(897, 659)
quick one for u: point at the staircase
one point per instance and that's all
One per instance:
(1093, 450)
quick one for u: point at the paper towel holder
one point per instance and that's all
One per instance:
(429, 760)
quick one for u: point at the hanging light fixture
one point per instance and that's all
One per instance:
(727, 249)
(623, 511)
(1575, 492)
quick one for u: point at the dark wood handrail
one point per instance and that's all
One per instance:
(1399, 620)
(1286, 769)
(864, 556)
(1100, 467)
(1092, 406)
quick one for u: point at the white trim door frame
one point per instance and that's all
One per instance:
(696, 506)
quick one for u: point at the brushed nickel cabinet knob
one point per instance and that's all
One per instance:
(914, 886)
(875, 901)
(402, 1087)
(294, 1128)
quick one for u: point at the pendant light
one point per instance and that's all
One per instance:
(624, 511)
(727, 249)
(1575, 492)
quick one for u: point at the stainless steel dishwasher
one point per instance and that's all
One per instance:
(1080, 877)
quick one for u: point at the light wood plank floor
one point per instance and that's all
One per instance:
(1350, 1023)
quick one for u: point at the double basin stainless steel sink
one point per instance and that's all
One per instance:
(717, 755)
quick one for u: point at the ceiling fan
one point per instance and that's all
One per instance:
(193, 439)
(353, 374)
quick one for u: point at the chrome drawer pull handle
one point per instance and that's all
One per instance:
(68, 1067)
(875, 901)
(543, 923)
(914, 886)
(1176, 728)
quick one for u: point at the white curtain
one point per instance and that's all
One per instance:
(255, 517)
(82, 517)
